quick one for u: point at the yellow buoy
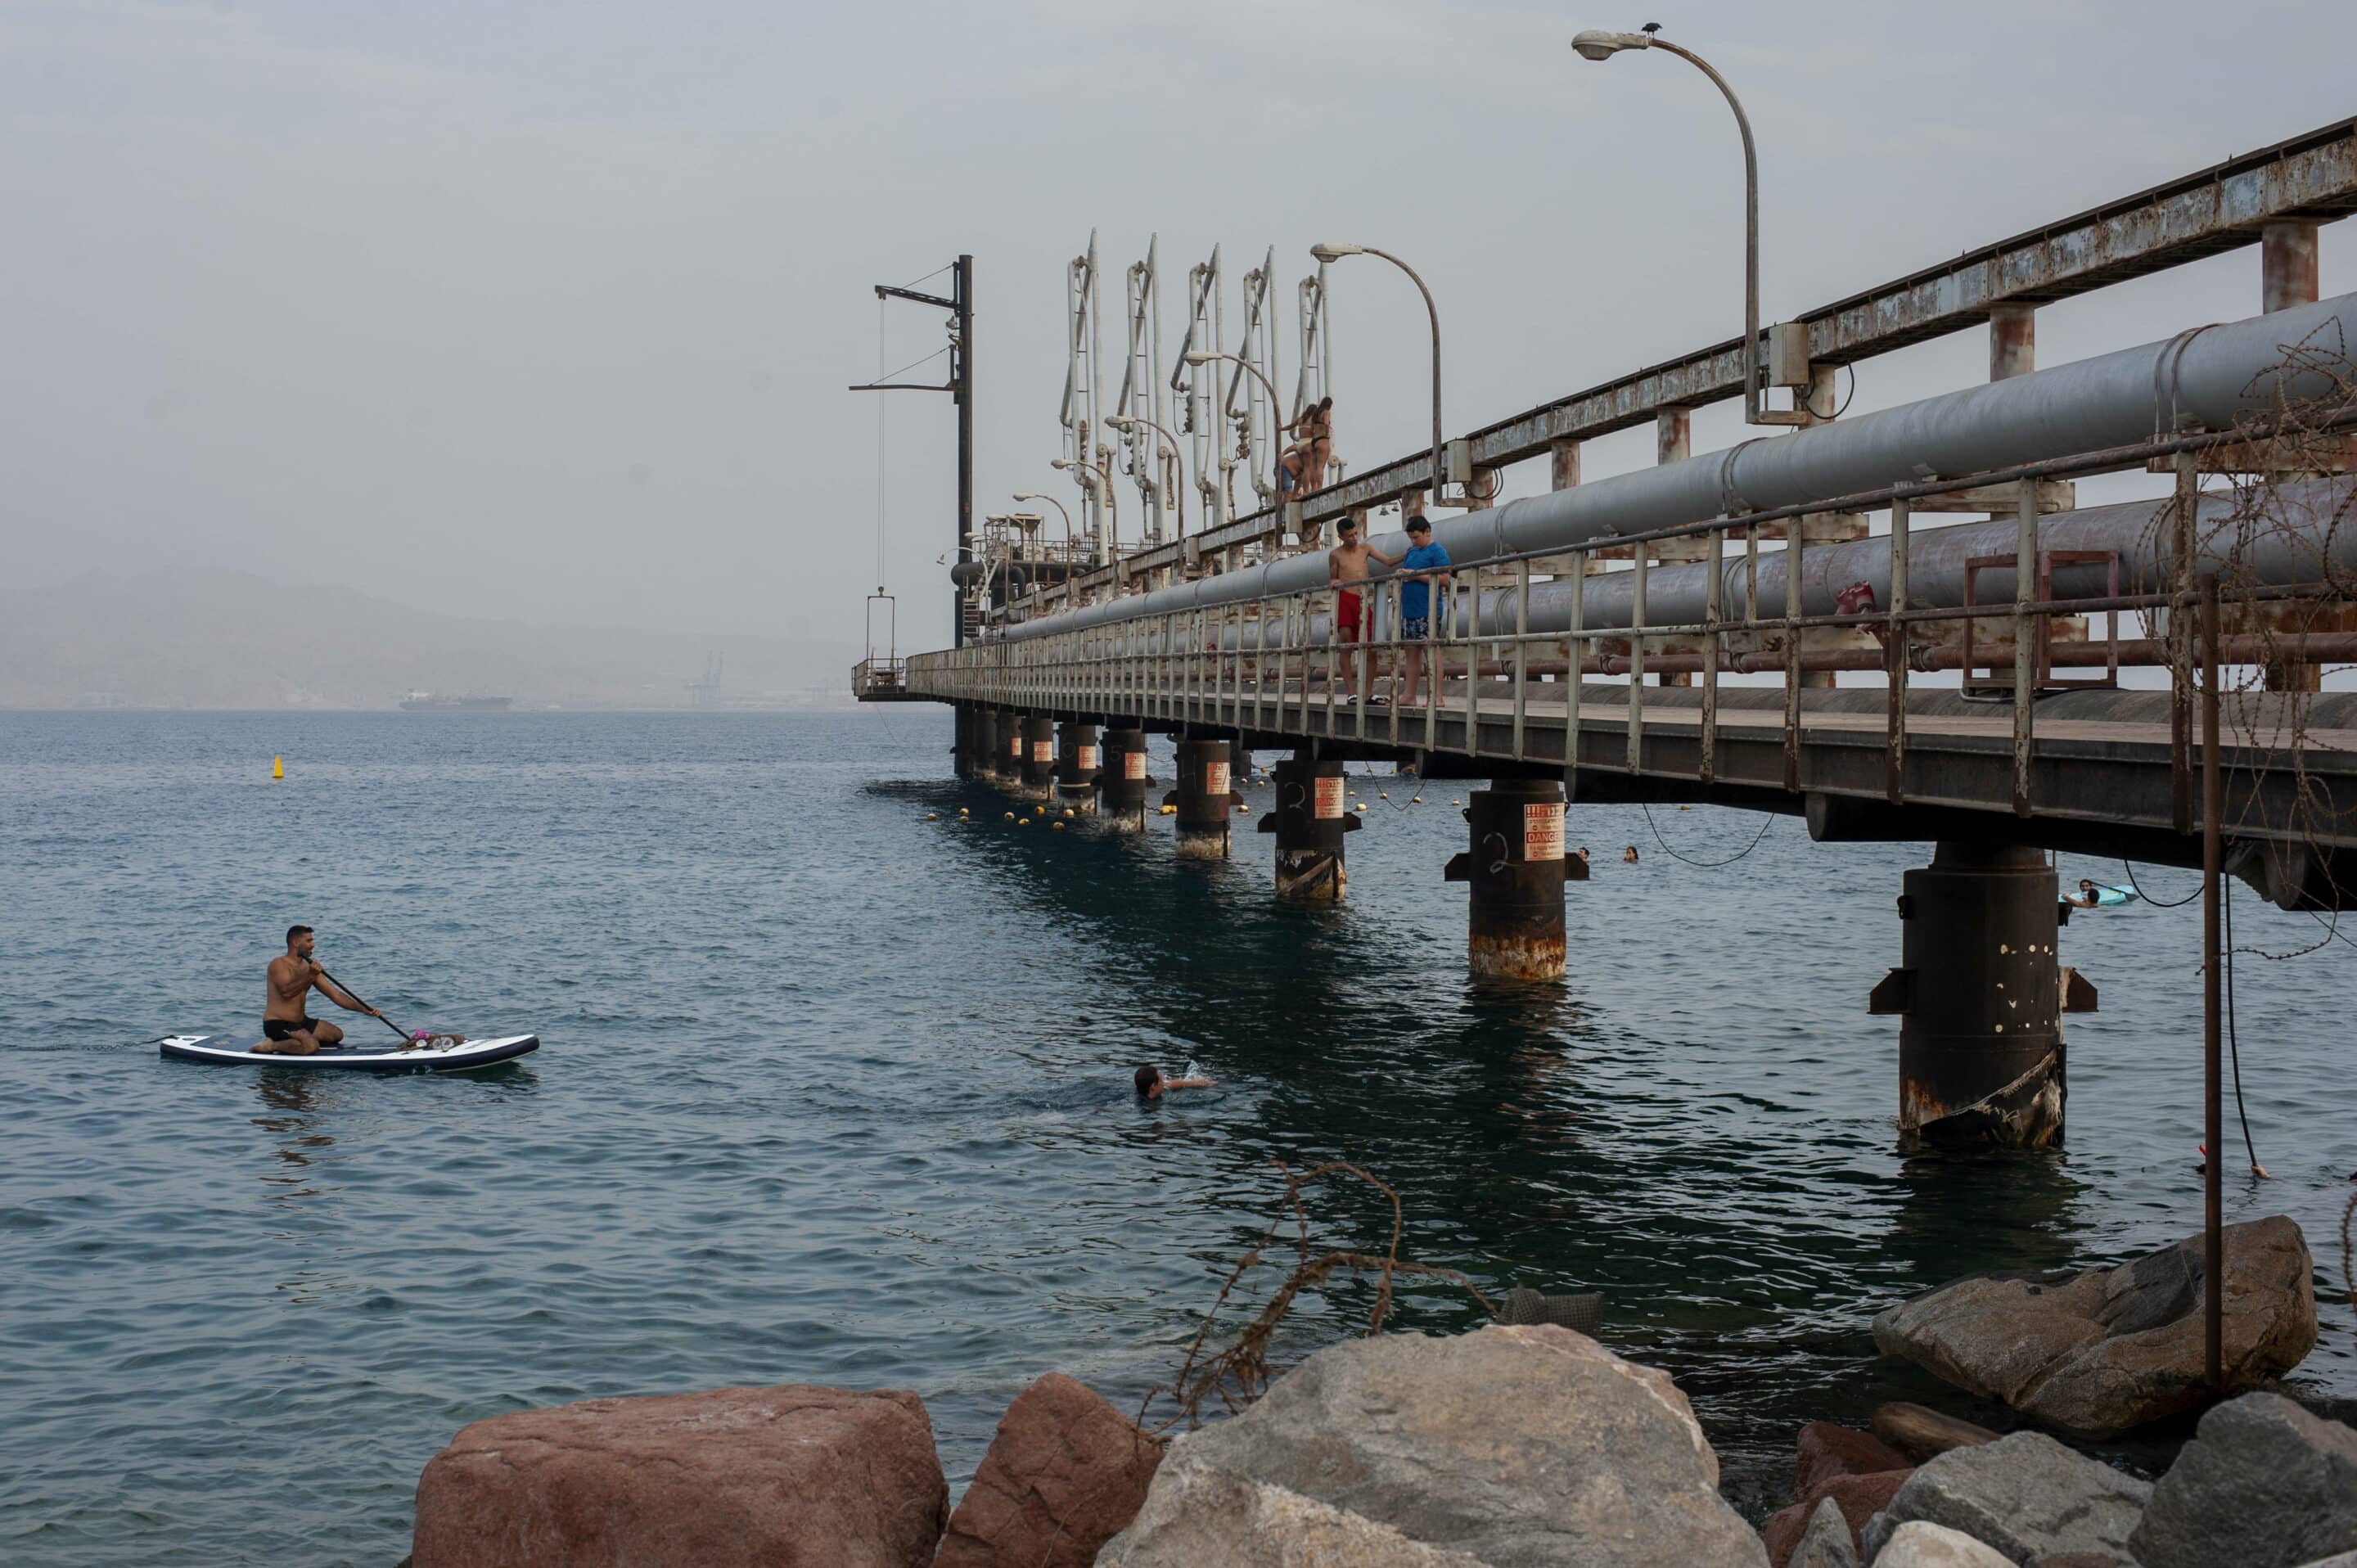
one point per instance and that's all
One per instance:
(1010, 816)
(1415, 799)
(278, 767)
(933, 816)
(1456, 802)
(1242, 807)
(1069, 813)
(1170, 810)
(1058, 826)
(1384, 795)
(962, 811)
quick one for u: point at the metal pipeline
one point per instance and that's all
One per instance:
(2306, 539)
(2208, 377)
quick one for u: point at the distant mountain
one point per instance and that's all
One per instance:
(231, 640)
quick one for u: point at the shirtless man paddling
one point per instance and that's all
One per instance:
(290, 1031)
(1346, 564)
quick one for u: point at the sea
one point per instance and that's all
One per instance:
(835, 1088)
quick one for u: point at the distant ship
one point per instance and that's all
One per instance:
(430, 703)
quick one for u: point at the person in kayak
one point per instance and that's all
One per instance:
(287, 1029)
(1151, 1083)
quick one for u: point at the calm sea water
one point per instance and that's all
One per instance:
(831, 1093)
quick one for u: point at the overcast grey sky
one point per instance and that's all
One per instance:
(545, 308)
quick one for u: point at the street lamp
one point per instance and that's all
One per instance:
(1200, 357)
(1130, 421)
(1600, 44)
(1335, 253)
(1038, 495)
(1096, 481)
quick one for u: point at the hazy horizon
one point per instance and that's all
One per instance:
(545, 314)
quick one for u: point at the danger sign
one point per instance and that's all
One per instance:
(1088, 759)
(1543, 832)
(1042, 751)
(1215, 779)
(1327, 804)
(1132, 765)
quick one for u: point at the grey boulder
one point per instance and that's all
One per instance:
(1825, 1543)
(2263, 1484)
(2100, 1352)
(2040, 1504)
(1508, 1447)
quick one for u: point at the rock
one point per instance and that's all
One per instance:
(1919, 1432)
(2263, 1484)
(2030, 1497)
(1916, 1544)
(1827, 1450)
(1827, 1542)
(1505, 1447)
(788, 1478)
(2100, 1352)
(1064, 1475)
(1857, 1498)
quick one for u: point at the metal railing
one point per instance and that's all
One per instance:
(875, 677)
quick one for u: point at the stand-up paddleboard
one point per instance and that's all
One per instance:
(387, 1055)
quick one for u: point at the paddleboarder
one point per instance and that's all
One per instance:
(287, 1029)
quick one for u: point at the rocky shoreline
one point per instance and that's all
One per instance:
(1506, 1447)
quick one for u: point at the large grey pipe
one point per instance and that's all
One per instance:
(2208, 378)
(2297, 542)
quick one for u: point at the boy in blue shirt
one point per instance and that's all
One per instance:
(1423, 564)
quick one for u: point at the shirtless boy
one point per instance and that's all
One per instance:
(1346, 563)
(289, 1031)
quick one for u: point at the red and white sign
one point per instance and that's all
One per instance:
(1132, 765)
(1043, 751)
(1015, 747)
(1088, 759)
(1215, 779)
(1328, 803)
(1543, 832)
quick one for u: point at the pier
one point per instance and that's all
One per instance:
(1682, 633)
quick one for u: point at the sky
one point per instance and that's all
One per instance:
(545, 311)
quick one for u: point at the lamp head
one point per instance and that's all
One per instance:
(1598, 43)
(1200, 357)
(1120, 421)
(1060, 461)
(1336, 253)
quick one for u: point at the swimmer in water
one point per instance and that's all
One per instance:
(2089, 897)
(1629, 854)
(1151, 1083)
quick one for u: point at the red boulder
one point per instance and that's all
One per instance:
(1827, 1450)
(1859, 1498)
(1065, 1475)
(786, 1477)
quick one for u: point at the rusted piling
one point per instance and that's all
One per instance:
(1205, 792)
(1122, 782)
(1514, 925)
(1307, 818)
(1077, 760)
(1982, 996)
(985, 747)
(1038, 751)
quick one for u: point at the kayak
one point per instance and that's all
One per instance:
(388, 1056)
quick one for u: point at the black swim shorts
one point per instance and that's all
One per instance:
(279, 1028)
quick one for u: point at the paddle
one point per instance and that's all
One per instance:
(406, 1038)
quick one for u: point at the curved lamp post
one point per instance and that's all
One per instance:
(1336, 253)
(1600, 44)
(1204, 356)
(1128, 421)
(1096, 481)
(1070, 553)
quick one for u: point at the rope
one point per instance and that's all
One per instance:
(2233, 1044)
(1769, 820)
(883, 375)
(2157, 902)
(880, 376)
